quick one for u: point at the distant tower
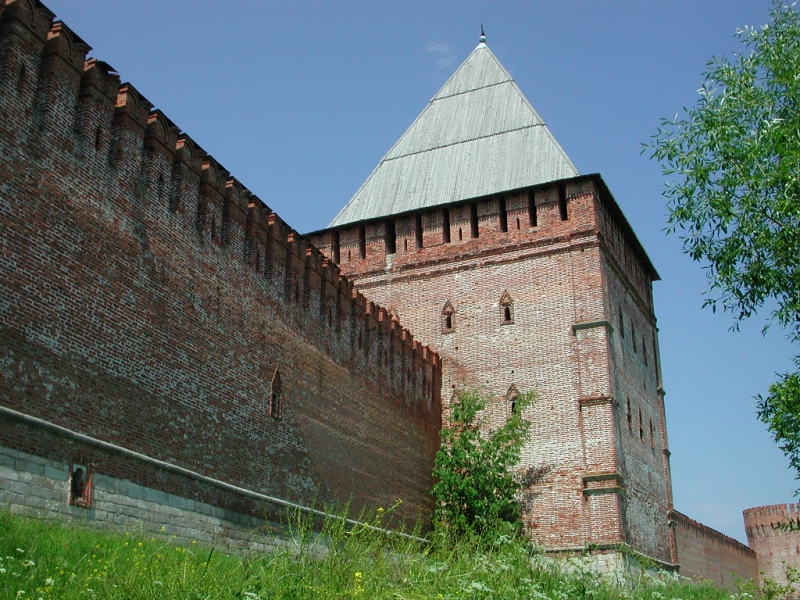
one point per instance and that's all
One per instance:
(775, 549)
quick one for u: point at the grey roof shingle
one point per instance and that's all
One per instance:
(478, 136)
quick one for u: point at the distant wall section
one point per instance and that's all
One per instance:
(705, 553)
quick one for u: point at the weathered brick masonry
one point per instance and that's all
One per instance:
(706, 554)
(776, 549)
(149, 300)
(545, 289)
(164, 329)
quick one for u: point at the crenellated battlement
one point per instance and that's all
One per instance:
(478, 225)
(776, 548)
(763, 521)
(73, 113)
(554, 215)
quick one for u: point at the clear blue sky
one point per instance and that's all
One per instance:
(300, 100)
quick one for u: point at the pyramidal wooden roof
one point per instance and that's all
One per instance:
(478, 136)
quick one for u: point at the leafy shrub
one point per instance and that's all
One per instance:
(475, 489)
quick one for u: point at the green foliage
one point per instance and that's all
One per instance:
(772, 590)
(52, 561)
(780, 410)
(735, 196)
(475, 489)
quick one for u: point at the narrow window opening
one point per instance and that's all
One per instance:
(80, 484)
(276, 396)
(621, 322)
(349, 255)
(448, 321)
(506, 309)
(518, 224)
(213, 228)
(641, 426)
(512, 395)
(445, 226)
(562, 203)
(502, 214)
(160, 187)
(21, 78)
(98, 137)
(473, 220)
(418, 229)
(633, 336)
(391, 237)
(652, 436)
(288, 283)
(644, 351)
(362, 242)
(336, 246)
(307, 295)
(629, 417)
(532, 209)
(405, 245)
(460, 234)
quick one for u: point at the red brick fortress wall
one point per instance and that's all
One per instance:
(635, 381)
(148, 299)
(705, 553)
(515, 293)
(776, 549)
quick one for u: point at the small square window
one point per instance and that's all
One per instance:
(80, 484)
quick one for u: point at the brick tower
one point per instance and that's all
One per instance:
(480, 234)
(776, 549)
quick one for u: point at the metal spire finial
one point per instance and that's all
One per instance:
(482, 39)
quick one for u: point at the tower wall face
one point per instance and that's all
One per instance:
(149, 301)
(530, 302)
(775, 549)
(635, 384)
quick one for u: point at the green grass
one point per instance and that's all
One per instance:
(42, 559)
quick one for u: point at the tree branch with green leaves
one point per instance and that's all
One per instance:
(733, 192)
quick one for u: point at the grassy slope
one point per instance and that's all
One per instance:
(40, 559)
